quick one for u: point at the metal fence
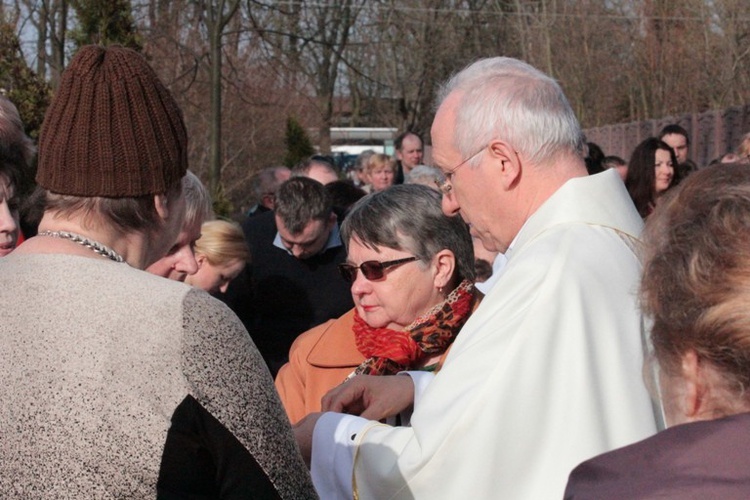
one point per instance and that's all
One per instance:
(712, 133)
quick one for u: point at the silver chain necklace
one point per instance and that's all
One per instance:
(95, 246)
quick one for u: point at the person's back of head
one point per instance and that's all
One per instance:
(613, 162)
(696, 286)
(106, 157)
(617, 163)
(361, 161)
(424, 175)
(318, 167)
(267, 182)
(344, 194)
(594, 159)
(360, 165)
(504, 98)
(82, 149)
(301, 200)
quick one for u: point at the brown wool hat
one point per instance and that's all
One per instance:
(112, 130)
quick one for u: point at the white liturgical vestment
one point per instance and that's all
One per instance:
(545, 374)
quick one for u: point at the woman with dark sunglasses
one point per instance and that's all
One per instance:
(411, 270)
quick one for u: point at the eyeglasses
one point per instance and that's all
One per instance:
(372, 269)
(445, 184)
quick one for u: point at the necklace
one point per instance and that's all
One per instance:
(95, 246)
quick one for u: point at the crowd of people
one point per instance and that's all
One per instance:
(496, 324)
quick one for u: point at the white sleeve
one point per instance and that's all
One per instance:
(332, 462)
(421, 380)
(335, 443)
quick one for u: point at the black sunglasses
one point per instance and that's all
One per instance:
(372, 269)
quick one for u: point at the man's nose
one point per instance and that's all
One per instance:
(450, 205)
(187, 263)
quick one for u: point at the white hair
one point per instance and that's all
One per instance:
(507, 99)
(425, 175)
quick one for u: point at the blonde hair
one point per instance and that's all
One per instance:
(379, 160)
(222, 242)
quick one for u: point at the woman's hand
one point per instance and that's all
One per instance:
(371, 397)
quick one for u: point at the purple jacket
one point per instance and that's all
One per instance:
(708, 459)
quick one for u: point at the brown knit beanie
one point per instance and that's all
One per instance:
(112, 130)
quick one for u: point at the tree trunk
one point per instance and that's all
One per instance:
(41, 41)
(59, 25)
(214, 162)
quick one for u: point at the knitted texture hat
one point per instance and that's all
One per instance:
(112, 130)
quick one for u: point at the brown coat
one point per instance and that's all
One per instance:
(319, 360)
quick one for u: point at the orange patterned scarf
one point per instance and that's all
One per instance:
(390, 351)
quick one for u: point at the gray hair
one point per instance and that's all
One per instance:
(125, 214)
(409, 217)
(197, 200)
(504, 98)
(362, 159)
(267, 182)
(425, 175)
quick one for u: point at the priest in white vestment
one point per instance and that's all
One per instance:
(547, 371)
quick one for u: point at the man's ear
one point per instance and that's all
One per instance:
(445, 264)
(161, 205)
(507, 161)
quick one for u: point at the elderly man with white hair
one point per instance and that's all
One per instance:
(547, 371)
